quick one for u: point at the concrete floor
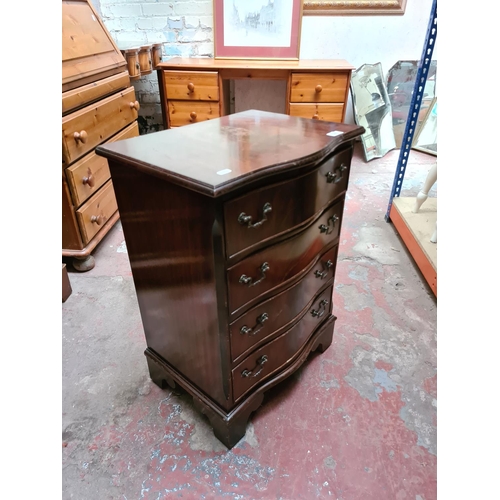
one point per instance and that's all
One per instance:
(357, 422)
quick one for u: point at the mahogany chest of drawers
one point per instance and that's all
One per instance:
(232, 230)
(98, 106)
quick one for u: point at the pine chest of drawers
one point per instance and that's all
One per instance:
(232, 229)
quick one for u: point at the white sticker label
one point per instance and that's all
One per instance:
(224, 172)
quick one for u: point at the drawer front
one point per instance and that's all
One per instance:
(96, 211)
(271, 317)
(279, 264)
(191, 86)
(83, 130)
(318, 87)
(88, 174)
(270, 211)
(145, 60)
(280, 352)
(328, 112)
(93, 91)
(133, 66)
(183, 112)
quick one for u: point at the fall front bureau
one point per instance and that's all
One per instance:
(232, 230)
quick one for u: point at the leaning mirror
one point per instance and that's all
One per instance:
(426, 136)
(400, 85)
(372, 110)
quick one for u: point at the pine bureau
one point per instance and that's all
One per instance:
(232, 230)
(98, 106)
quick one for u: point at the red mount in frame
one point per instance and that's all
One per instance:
(257, 52)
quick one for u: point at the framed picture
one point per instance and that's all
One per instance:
(257, 29)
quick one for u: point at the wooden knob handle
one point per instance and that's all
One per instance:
(81, 136)
(135, 105)
(193, 115)
(89, 179)
(191, 86)
(97, 219)
(318, 89)
(316, 116)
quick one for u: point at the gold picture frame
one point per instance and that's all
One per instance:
(354, 7)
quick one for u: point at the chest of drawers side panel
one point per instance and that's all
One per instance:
(169, 233)
(71, 238)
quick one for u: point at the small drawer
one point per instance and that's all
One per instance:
(328, 112)
(92, 92)
(145, 60)
(192, 86)
(133, 66)
(273, 268)
(319, 87)
(268, 212)
(280, 352)
(156, 53)
(89, 173)
(271, 317)
(184, 113)
(93, 214)
(83, 130)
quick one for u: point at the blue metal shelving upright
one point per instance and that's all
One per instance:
(416, 101)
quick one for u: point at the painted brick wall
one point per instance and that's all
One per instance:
(185, 27)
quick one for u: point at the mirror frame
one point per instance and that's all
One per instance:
(354, 7)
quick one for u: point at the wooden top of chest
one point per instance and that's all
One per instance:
(221, 155)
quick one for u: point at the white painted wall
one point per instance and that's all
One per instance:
(185, 27)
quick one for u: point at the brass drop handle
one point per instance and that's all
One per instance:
(150, 63)
(324, 228)
(247, 280)
(191, 87)
(322, 275)
(318, 313)
(318, 89)
(135, 105)
(97, 219)
(260, 365)
(193, 115)
(243, 218)
(89, 180)
(336, 175)
(244, 330)
(137, 65)
(81, 136)
(315, 116)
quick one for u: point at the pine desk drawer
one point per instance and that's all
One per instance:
(191, 86)
(328, 112)
(184, 112)
(319, 87)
